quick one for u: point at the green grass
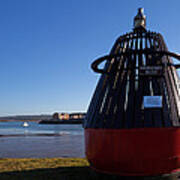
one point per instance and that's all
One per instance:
(47, 168)
(56, 168)
(9, 165)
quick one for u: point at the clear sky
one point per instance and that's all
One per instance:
(47, 46)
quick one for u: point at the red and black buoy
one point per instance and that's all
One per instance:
(133, 122)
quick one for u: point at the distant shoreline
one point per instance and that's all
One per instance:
(38, 118)
(50, 121)
(15, 120)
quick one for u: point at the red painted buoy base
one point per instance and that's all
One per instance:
(134, 152)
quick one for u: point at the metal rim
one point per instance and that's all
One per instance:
(98, 61)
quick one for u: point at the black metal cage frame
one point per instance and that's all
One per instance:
(118, 98)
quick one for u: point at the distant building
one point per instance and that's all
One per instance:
(77, 115)
(66, 116)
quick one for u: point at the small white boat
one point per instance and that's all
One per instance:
(25, 124)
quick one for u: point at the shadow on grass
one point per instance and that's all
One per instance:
(70, 173)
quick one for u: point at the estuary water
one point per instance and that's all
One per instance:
(40, 141)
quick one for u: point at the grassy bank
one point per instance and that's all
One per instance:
(9, 165)
(56, 168)
(42, 169)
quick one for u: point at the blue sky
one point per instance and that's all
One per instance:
(47, 46)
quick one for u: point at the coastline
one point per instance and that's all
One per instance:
(70, 121)
(48, 121)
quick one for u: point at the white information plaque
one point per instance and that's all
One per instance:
(152, 101)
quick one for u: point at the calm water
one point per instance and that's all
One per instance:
(16, 128)
(41, 141)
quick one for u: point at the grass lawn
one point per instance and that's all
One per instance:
(56, 168)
